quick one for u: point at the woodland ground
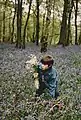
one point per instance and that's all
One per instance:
(17, 86)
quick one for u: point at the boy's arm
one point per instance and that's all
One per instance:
(53, 85)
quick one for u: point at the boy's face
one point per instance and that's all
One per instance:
(44, 67)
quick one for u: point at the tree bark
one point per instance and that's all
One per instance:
(48, 6)
(34, 28)
(76, 10)
(79, 41)
(24, 34)
(3, 25)
(20, 18)
(9, 36)
(63, 31)
(12, 33)
(43, 25)
(19, 24)
(52, 35)
(0, 22)
(37, 23)
(69, 24)
(44, 39)
(4, 20)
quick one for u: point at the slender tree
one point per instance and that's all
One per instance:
(12, 33)
(52, 34)
(34, 27)
(70, 7)
(26, 23)
(19, 24)
(37, 23)
(63, 31)
(9, 36)
(44, 40)
(76, 10)
(4, 17)
(4, 23)
(0, 22)
(48, 18)
(79, 41)
(20, 18)
(43, 26)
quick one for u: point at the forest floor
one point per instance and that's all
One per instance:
(17, 86)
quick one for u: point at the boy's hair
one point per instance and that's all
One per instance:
(47, 60)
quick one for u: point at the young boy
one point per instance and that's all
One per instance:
(47, 77)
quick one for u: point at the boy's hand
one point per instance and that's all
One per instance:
(44, 67)
(35, 75)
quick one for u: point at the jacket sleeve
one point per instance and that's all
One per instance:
(53, 83)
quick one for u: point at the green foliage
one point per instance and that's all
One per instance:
(10, 6)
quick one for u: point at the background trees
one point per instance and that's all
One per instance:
(29, 20)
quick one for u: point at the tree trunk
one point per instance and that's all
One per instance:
(9, 36)
(12, 34)
(43, 26)
(37, 23)
(80, 35)
(4, 20)
(63, 31)
(3, 25)
(76, 10)
(44, 40)
(48, 6)
(24, 34)
(19, 24)
(0, 22)
(34, 28)
(52, 35)
(69, 18)
(20, 19)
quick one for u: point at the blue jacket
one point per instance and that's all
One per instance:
(50, 78)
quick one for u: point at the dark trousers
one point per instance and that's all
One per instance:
(39, 91)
